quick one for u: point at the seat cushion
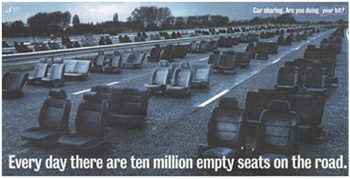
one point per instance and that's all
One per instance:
(126, 119)
(80, 141)
(73, 74)
(219, 152)
(41, 136)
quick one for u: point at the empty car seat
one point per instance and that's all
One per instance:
(135, 60)
(201, 75)
(76, 69)
(55, 74)
(155, 54)
(180, 51)
(192, 48)
(53, 120)
(98, 63)
(213, 45)
(128, 105)
(288, 79)
(168, 53)
(90, 124)
(278, 132)
(227, 62)
(226, 131)
(123, 59)
(113, 66)
(315, 79)
(159, 77)
(12, 84)
(243, 59)
(214, 59)
(39, 71)
(202, 46)
(181, 81)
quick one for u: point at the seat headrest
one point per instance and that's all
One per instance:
(43, 60)
(163, 63)
(58, 93)
(230, 103)
(184, 65)
(279, 106)
(58, 60)
(92, 97)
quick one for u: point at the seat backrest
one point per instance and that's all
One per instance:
(40, 68)
(160, 75)
(314, 77)
(180, 51)
(287, 76)
(155, 52)
(124, 59)
(172, 68)
(214, 59)
(57, 69)
(228, 60)
(91, 118)
(54, 113)
(278, 130)
(115, 60)
(129, 101)
(310, 107)
(243, 57)
(99, 59)
(140, 57)
(169, 50)
(226, 125)
(201, 72)
(14, 80)
(70, 66)
(256, 102)
(182, 75)
(312, 53)
(193, 46)
(82, 66)
(203, 45)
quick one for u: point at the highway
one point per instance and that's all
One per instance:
(178, 126)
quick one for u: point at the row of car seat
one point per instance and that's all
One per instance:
(277, 133)
(278, 116)
(102, 106)
(178, 79)
(229, 60)
(116, 62)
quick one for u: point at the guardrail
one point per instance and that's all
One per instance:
(18, 58)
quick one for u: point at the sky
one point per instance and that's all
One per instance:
(103, 11)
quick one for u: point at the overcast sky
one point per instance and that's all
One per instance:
(103, 11)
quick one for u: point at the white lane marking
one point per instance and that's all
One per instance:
(112, 83)
(82, 91)
(278, 59)
(202, 59)
(205, 103)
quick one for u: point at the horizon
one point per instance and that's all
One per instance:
(97, 12)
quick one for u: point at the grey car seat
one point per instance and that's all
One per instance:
(181, 81)
(91, 125)
(53, 120)
(159, 77)
(12, 84)
(39, 72)
(226, 132)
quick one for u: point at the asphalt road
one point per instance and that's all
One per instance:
(178, 126)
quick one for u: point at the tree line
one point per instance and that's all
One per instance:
(144, 18)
